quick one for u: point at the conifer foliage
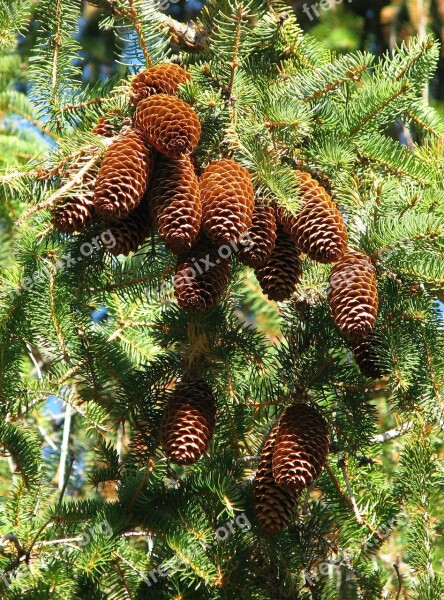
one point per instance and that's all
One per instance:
(221, 367)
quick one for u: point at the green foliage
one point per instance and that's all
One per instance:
(100, 512)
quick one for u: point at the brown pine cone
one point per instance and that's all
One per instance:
(188, 422)
(175, 203)
(301, 448)
(353, 295)
(161, 79)
(279, 274)
(131, 232)
(170, 125)
(227, 201)
(366, 356)
(104, 127)
(201, 278)
(77, 212)
(259, 242)
(123, 176)
(274, 504)
(318, 229)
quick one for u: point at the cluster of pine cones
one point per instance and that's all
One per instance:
(293, 456)
(149, 178)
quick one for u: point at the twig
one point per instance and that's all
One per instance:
(392, 433)
(46, 437)
(351, 495)
(64, 446)
(11, 537)
(77, 178)
(378, 109)
(49, 521)
(398, 595)
(347, 500)
(34, 362)
(57, 44)
(234, 64)
(184, 36)
(135, 21)
(81, 104)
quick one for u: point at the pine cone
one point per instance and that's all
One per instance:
(161, 79)
(175, 203)
(353, 295)
(366, 356)
(131, 232)
(274, 504)
(188, 423)
(201, 277)
(227, 201)
(75, 213)
(123, 176)
(104, 127)
(261, 237)
(279, 275)
(301, 447)
(170, 125)
(318, 229)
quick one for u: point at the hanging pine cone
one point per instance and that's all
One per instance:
(353, 295)
(318, 229)
(175, 203)
(105, 127)
(170, 125)
(188, 423)
(123, 176)
(261, 237)
(367, 357)
(274, 504)
(301, 447)
(131, 232)
(279, 274)
(77, 212)
(201, 277)
(227, 201)
(161, 79)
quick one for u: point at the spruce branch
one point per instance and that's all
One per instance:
(234, 63)
(137, 26)
(185, 36)
(370, 116)
(353, 74)
(423, 124)
(391, 434)
(351, 503)
(57, 44)
(55, 319)
(50, 521)
(425, 47)
(60, 192)
(398, 574)
(81, 105)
